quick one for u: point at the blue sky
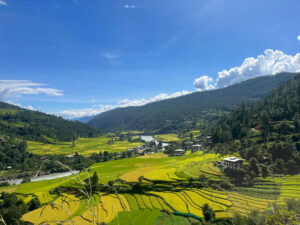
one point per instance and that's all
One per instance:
(91, 54)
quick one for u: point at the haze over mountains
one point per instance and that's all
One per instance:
(189, 110)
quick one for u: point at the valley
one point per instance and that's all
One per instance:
(137, 177)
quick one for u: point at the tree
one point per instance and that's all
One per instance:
(208, 213)
(94, 181)
(282, 217)
(12, 208)
(34, 204)
(292, 167)
(26, 179)
(279, 166)
(265, 171)
(254, 167)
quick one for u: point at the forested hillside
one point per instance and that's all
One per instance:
(266, 133)
(189, 111)
(33, 125)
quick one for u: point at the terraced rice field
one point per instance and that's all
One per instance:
(105, 211)
(84, 146)
(102, 209)
(134, 207)
(290, 188)
(61, 209)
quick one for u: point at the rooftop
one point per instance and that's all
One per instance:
(179, 150)
(232, 159)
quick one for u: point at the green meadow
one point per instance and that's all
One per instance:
(84, 146)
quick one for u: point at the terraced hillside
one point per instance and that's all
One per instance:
(159, 204)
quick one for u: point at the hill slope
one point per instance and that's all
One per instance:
(267, 133)
(273, 119)
(33, 125)
(187, 111)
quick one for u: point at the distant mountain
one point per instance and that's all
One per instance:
(189, 111)
(84, 119)
(34, 125)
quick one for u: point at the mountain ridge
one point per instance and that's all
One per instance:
(171, 114)
(38, 126)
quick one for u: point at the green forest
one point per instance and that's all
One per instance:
(38, 126)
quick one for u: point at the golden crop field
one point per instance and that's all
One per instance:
(105, 211)
(61, 209)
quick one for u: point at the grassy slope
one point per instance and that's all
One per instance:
(85, 146)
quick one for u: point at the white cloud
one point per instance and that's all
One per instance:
(270, 63)
(18, 104)
(298, 37)
(17, 88)
(130, 6)
(111, 56)
(203, 83)
(96, 109)
(3, 3)
(29, 107)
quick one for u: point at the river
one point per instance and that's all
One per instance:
(44, 177)
(148, 138)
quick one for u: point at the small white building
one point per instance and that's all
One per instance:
(209, 140)
(196, 148)
(179, 152)
(233, 162)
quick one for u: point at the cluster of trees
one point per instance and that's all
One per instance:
(187, 111)
(12, 208)
(39, 126)
(266, 133)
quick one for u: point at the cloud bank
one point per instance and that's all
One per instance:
(96, 109)
(17, 88)
(270, 63)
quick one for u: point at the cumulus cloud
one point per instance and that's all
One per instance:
(130, 6)
(298, 37)
(203, 83)
(96, 109)
(3, 3)
(17, 88)
(270, 63)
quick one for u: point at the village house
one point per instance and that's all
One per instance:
(188, 144)
(209, 140)
(179, 152)
(196, 148)
(233, 163)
